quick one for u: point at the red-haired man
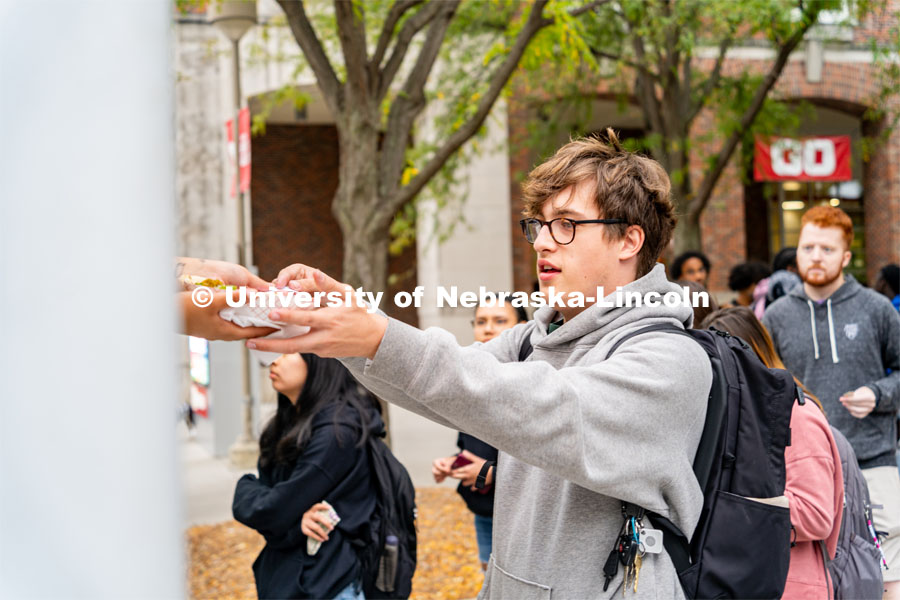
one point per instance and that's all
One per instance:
(840, 339)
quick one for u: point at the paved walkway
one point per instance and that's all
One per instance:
(208, 482)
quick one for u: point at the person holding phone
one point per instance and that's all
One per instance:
(476, 456)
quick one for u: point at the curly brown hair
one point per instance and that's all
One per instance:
(628, 186)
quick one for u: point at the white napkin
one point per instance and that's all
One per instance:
(256, 316)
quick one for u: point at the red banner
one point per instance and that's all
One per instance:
(802, 159)
(244, 141)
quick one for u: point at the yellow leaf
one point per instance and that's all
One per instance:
(408, 174)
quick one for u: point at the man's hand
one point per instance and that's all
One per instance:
(226, 272)
(315, 523)
(469, 473)
(440, 468)
(859, 402)
(205, 321)
(295, 273)
(335, 332)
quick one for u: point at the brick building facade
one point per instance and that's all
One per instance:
(746, 221)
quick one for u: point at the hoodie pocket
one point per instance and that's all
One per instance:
(503, 584)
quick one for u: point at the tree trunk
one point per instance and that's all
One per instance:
(687, 234)
(356, 205)
(366, 253)
(361, 215)
(365, 264)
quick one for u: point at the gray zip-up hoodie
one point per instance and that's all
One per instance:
(837, 346)
(577, 435)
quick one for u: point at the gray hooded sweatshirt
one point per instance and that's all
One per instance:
(837, 346)
(577, 435)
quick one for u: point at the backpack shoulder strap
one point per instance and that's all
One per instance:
(643, 330)
(675, 542)
(525, 349)
(827, 562)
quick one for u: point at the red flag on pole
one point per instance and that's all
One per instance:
(244, 141)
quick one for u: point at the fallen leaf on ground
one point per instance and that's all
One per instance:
(220, 556)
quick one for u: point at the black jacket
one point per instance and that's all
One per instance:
(478, 503)
(331, 467)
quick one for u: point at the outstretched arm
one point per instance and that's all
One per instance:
(204, 321)
(568, 421)
(199, 311)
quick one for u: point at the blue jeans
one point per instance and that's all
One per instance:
(351, 592)
(484, 529)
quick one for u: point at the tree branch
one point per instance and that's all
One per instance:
(398, 9)
(315, 55)
(535, 23)
(712, 81)
(412, 26)
(625, 61)
(704, 192)
(577, 12)
(649, 101)
(410, 102)
(351, 32)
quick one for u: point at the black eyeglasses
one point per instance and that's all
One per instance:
(562, 230)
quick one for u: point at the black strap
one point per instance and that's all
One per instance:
(674, 541)
(526, 348)
(643, 330)
(481, 480)
(827, 561)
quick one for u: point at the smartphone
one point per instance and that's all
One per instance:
(460, 461)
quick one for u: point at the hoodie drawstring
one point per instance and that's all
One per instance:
(834, 356)
(812, 326)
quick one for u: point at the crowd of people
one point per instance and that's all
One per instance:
(570, 417)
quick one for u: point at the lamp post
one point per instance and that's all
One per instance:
(234, 18)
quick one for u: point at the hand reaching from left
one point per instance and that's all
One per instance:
(205, 322)
(226, 272)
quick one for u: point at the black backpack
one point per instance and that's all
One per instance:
(856, 568)
(741, 546)
(387, 548)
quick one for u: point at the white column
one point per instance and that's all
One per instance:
(89, 501)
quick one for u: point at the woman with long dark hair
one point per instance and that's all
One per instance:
(814, 484)
(312, 450)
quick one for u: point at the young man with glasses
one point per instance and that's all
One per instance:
(578, 434)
